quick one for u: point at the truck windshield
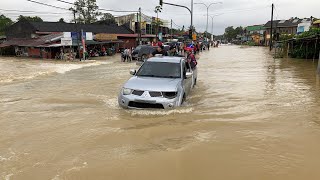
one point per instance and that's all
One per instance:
(160, 69)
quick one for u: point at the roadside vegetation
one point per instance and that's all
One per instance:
(303, 46)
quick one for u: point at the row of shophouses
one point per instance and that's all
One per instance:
(260, 34)
(47, 39)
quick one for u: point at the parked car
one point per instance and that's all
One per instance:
(161, 82)
(142, 52)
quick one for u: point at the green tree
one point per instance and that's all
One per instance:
(4, 23)
(107, 18)
(61, 20)
(178, 31)
(239, 30)
(231, 33)
(30, 18)
(157, 23)
(88, 11)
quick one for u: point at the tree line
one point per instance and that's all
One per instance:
(231, 33)
(6, 21)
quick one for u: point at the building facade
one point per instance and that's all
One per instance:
(289, 27)
(149, 28)
(33, 38)
(254, 34)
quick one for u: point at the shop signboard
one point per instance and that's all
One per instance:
(75, 35)
(194, 37)
(143, 27)
(89, 36)
(66, 41)
(105, 37)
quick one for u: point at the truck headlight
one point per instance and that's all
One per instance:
(126, 91)
(170, 95)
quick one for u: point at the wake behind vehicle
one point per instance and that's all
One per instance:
(161, 83)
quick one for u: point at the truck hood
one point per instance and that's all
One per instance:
(153, 84)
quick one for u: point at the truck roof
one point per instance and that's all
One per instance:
(166, 59)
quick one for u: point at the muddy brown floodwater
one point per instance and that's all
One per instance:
(250, 117)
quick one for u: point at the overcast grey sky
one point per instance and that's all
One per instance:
(235, 12)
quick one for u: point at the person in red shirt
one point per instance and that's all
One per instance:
(160, 43)
(191, 59)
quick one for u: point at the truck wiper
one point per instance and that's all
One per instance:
(147, 75)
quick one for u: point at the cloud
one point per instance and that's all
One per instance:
(235, 12)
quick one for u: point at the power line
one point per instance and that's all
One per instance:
(48, 5)
(11, 11)
(100, 9)
(65, 2)
(244, 9)
(35, 14)
(176, 25)
(276, 9)
(230, 12)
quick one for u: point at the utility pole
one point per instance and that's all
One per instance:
(208, 6)
(140, 41)
(271, 31)
(212, 27)
(157, 31)
(137, 28)
(191, 17)
(76, 30)
(83, 40)
(212, 17)
(171, 30)
(177, 5)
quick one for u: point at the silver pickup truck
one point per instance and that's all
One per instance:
(161, 82)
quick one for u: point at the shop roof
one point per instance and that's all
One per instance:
(286, 23)
(255, 28)
(36, 42)
(71, 27)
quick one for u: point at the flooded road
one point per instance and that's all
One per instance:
(250, 117)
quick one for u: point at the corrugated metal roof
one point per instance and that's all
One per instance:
(33, 42)
(286, 23)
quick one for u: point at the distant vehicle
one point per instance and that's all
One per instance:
(172, 44)
(161, 83)
(142, 52)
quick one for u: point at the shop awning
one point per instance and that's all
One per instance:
(4, 45)
(102, 42)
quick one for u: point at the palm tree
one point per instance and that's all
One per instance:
(157, 9)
